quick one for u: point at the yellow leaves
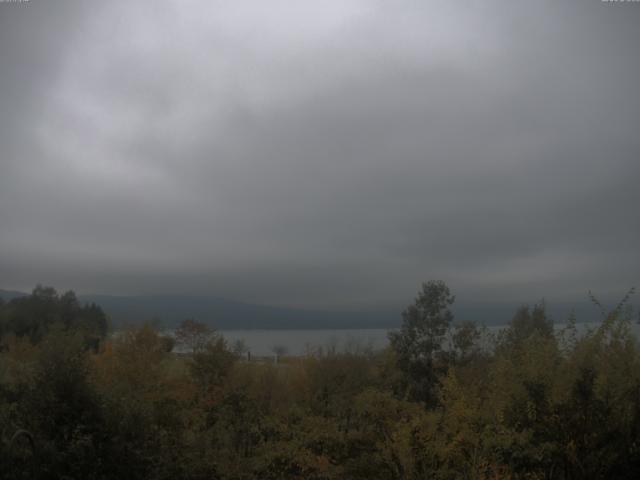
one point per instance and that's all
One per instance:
(134, 366)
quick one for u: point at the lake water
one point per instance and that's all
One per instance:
(299, 342)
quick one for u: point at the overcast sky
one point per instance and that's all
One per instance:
(328, 154)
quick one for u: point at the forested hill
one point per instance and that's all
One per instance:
(226, 314)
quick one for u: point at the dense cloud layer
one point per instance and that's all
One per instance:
(328, 154)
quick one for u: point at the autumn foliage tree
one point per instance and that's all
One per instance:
(193, 336)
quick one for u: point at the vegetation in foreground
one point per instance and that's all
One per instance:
(444, 401)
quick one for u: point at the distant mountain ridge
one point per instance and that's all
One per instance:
(226, 314)
(9, 294)
(223, 314)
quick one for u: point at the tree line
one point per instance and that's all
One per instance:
(445, 400)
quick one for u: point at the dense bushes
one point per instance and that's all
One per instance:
(530, 402)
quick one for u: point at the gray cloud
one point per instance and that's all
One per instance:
(324, 154)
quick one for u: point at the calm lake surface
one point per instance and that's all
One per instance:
(300, 342)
